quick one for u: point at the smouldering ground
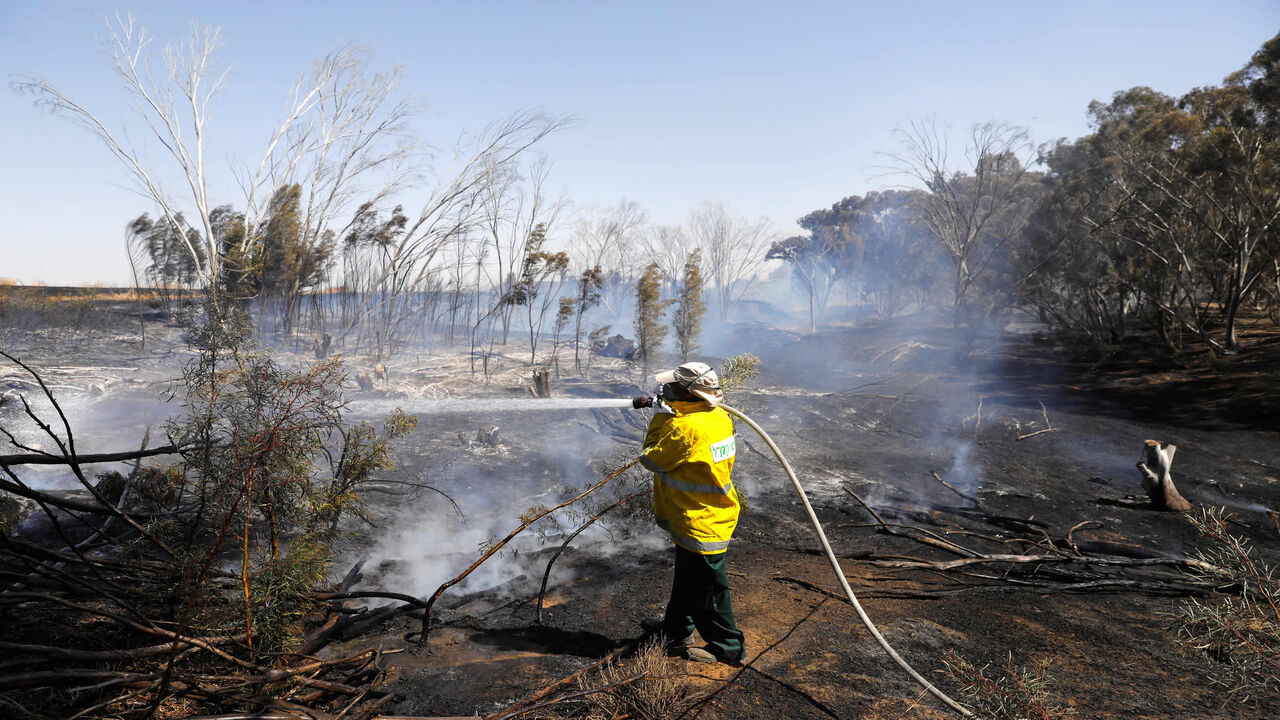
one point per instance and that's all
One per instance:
(872, 410)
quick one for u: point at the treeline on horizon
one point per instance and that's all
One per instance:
(1162, 221)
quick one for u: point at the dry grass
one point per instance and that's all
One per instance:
(1239, 633)
(38, 306)
(646, 686)
(1005, 693)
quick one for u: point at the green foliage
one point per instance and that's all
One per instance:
(734, 372)
(278, 589)
(588, 296)
(1240, 633)
(690, 307)
(541, 275)
(169, 243)
(1166, 214)
(256, 435)
(650, 328)
(364, 453)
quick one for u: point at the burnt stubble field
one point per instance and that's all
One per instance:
(987, 510)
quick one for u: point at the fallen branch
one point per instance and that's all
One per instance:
(1048, 425)
(929, 539)
(49, 459)
(1185, 563)
(526, 521)
(542, 591)
(971, 498)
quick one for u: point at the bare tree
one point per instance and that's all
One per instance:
(343, 140)
(669, 246)
(512, 209)
(175, 99)
(450, 213)
(973, 209)
(608, 239)
(343, 126)
(734, 249)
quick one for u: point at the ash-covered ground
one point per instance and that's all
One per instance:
(867, 412)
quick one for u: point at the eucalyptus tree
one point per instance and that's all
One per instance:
(690, 307)
(537, 287)
(808, 257)
(586, 296)
(342, 127)
(650, 324)
(610, 239)
(1201, 175)
(976, 205)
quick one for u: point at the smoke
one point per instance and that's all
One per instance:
(99, 423)
(545, 459)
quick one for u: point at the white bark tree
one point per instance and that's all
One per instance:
(343, 126)
(610, 240)
(734, 250)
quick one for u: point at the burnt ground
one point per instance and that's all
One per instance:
(874, 410)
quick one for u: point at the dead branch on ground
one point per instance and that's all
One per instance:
(527, 520)
(1042, 562)
(546, 575)
(1048, 425)
(977, 501)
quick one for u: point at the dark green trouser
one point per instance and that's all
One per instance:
(700, 599)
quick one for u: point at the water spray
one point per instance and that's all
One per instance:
(646, 401)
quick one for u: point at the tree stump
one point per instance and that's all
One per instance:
(364, 381)
(487, 436)
(542, 383)
(320, 346)
(1154, 465)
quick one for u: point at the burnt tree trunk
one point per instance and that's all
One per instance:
(1154, 465)
(320, 346)
(542, 383)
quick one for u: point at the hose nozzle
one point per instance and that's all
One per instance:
(642, 401)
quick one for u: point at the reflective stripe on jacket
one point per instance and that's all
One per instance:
(691, 456)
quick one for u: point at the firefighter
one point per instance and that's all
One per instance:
(690, 447)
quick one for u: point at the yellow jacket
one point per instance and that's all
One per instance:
(691, 456)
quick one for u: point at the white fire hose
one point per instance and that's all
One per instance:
(835, 566)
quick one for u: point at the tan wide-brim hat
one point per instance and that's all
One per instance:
(698, 378)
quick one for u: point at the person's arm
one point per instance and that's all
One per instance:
(654, 431)
(669, 450)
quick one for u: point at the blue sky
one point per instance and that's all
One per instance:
(775, 109)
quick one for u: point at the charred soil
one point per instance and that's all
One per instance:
(1020, 442)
